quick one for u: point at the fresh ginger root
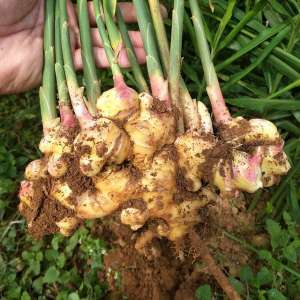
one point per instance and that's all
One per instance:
(150, 131)
(144, 190)
(143, 172)
(104, 142)
(55, 145)
(248, 156)
(57, 142)
(155, 188)
(149, 128)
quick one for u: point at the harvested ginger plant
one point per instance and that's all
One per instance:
(148, 165)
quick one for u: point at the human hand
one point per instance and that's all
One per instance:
(21, 42)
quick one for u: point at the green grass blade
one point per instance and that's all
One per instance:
(226, 18)
(262, 105)
(263, 36)
(289, 126)
(263, 55)
(282, 67)
(238, 27)
(289, 58)
(287, 88)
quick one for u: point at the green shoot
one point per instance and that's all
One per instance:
(136, 69)
(89, 68)
(63, 94)
(47, 90)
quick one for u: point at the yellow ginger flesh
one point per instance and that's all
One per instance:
(102, 143)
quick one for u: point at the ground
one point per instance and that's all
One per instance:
(255, 242)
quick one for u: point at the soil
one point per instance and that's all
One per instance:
(220, 153)
(167, 270)
(230, 133)
(46, 212)
(42, 217)
(75, 179)
(159, 106)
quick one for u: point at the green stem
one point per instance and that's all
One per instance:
(63, 94)
(89, 68)
(161, 34)
(136, 69)
(117, 73)
(175, 51)
(207, 64)
(110, 7)
(269, 258)
(283, 184)
(66, 47)
(255, 200)
(221, 112)
(190, 113)
(47, 90)
(76, 93)
(153, 61)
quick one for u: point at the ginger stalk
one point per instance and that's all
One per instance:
(55, 143)
(193, 118)
(149, 129)
(159, 86)
(100, 140)
(47, 91)
(238, 131)
(121, 102)
(136, 69)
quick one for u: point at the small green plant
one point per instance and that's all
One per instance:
(53, 268)
(277, 275)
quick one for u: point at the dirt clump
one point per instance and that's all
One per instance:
(240, 129)
(168, 270)
(44, 213)
(159, 106)
(75, 179)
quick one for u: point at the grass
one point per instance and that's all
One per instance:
(257, 55)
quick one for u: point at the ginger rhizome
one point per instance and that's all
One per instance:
(147, 158)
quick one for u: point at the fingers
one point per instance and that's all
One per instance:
(101, 59)
(135, 37)
(73, 26)
(127, 9)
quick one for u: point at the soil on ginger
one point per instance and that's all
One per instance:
(167, 270)
(44, 214)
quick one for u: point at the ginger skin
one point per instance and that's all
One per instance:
(142, 133)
